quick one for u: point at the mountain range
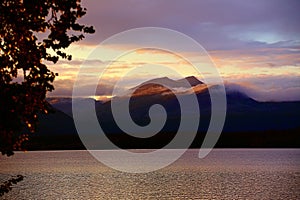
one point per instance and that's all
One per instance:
(249, 123)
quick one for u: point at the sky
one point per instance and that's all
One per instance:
(255, 45)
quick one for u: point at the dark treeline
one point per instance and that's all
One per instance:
(266, 139)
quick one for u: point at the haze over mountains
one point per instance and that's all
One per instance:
(249, 123)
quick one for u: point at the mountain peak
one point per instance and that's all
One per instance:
(161, 85)
(181, 83)
(192, 80)
(150, 89)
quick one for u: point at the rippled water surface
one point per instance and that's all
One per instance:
(223, 174)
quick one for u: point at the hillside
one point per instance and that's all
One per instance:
(249, 123)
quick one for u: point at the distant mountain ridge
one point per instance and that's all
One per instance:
(192, 80)
(248, 123)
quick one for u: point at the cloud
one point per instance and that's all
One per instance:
(257, 58)
(255, 44)
(215, 24)
(62, 88)
(277, 88)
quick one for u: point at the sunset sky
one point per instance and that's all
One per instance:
(254, 44)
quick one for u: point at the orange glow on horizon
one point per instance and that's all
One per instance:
(231, 64)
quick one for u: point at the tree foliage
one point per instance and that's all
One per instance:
(7, 185)
(32, 32)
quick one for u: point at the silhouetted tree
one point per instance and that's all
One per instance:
(31, 32)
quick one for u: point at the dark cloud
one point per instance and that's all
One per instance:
(217, 24)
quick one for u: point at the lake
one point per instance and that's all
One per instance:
(223, 174)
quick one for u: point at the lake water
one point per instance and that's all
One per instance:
(223, 174)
